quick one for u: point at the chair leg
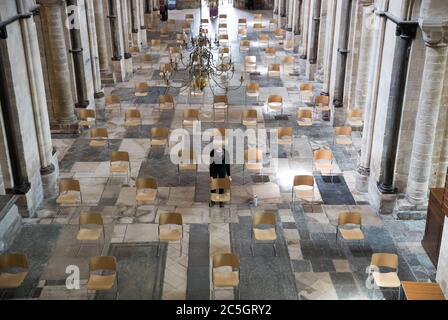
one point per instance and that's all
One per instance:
(275, 250)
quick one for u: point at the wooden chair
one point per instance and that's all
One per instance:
(279, 34)
(165, 70)
(388, 280)
(120, 164)
(220, 137)
(159, 137)
(258, 17)
(263, 39)
(253, 161)
(113, 102)
(288, 46)
(189, 17)
(171, 24)
(244, 45)
(156, 45)
(13, 270)
(190, 116)
(303, 189)
(288, 61)
(87, 117)
(223, 39)
(141, 89)
(270, 53)
(258, 27)
(252, 91)
(69, 192)
(355, 118)
(170, 229)
(223, 18)
(350, 226)
(146, 192)
(343, 135)
(204, 22)
(166, 102)
(249, 118)
(91, 228)
(250, 64)
(285, 137)
(220, 192)
(186, 27)
(187, 162)
(274, 70)
(164, 33)
(134, 51)
(242, 33)
(273, 24)
(306, 92)
(132, 118)
(99, 138)
(324, 161)
(304, 118)
(98, 279)
(242, 23)
(264, 229)
(322, 103)
(220, 102)
(222, 28)
(225, 279)
(224, 52)
(181, 39)
(275, 102)
(174, 53)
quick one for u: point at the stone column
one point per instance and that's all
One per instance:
(305, 28)
(63, 106)
(297, 18)
(435, 34)
(115, 19)
(148, 13)
(313, 36)
(142, 26)
(127, 55)
(328, 51)
(96, 71)
(276, 6)
(107, 76)
(136, 35)
(291, 6)
(319, 74)
(367, 90)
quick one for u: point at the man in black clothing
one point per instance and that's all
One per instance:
(219, 167)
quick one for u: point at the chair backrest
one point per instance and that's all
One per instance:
(258, 16)
(242, 32)
(225, 50)
(155, 43)
(274, 67)
(146, 183)
(288, 59)
(242, 21)
(275, 99)
(264, 218)
(166, 99)
(304, 114)
(141, 87)
(168, 218)
(113, 99)
(349, 218)
(284, 132)
(96, 133)
(263, 37)
(13, 260)
(250, 114)
(324, 100)
(102, 263)
(355, 113)
(204, 21)
(160, 132)
(253, 86)
(86, 114)
(250, 59)
(171, 21)
(387, 260)
(258, 26)
(164, 31)
(132, 114)
(253, 155)
(343, 131)
(189, 16)
(147, 58)
(222, 26)
(69, 185)
(245, 43)
(306, 87)
(220, 99)
(289, 44)
(90, 219)
(223, 16)
(186, 25)
(225, 260)
(271, 51)
(279, 32)
(320, 155)
(165, 67)
(220, 183)
(191, 114)
(134, 50)
(304, 180)
(119, 156)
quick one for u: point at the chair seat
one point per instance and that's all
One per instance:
(249, 123)
(159, 142)
(324, 166)
(119, 168)
(254, 166)
(98, 143)
(12, 280)
(167, 234)
(167, 106)
(86, 123)
(304, 192)
(285, 140)
(85, 234)
(146, 196)
(220, 106)
(68, 199)
(265, 234)
(274, 73)
(252, 93)
(352, 234)
(386, 280)
(275, 106)
(99, 282)
(187, 167)
(133, 123)
(112, 107)
(141, 94)
(225, 279)
(355, 122)
(305, 122)
(216, 197)
(343, 140)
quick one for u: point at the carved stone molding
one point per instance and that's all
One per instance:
(435, 32)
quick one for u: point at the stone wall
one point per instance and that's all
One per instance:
(442, 268)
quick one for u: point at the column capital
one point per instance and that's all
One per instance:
(435, 32)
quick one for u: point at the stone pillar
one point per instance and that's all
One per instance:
(305, 28)
(291, 6)
(107, 76)
(297, 17)
(276, 6)
(115, 19)
(142, 26)
(127, 56)
(328, 51)
(367, 90)
(319, 74)
(96, 71)
(435, 34)
(62, 104)
(148, 13)
(136, 35)
(313, 36)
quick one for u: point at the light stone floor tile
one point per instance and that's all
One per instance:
(141, 233)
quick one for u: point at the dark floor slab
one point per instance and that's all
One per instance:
(264, 276)
(198, 272)
(38, 253)
(336, 192)
(140, 271)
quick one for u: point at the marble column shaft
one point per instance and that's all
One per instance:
(103, 51)
(329, 40)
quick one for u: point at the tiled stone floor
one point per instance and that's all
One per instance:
(310, 264)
